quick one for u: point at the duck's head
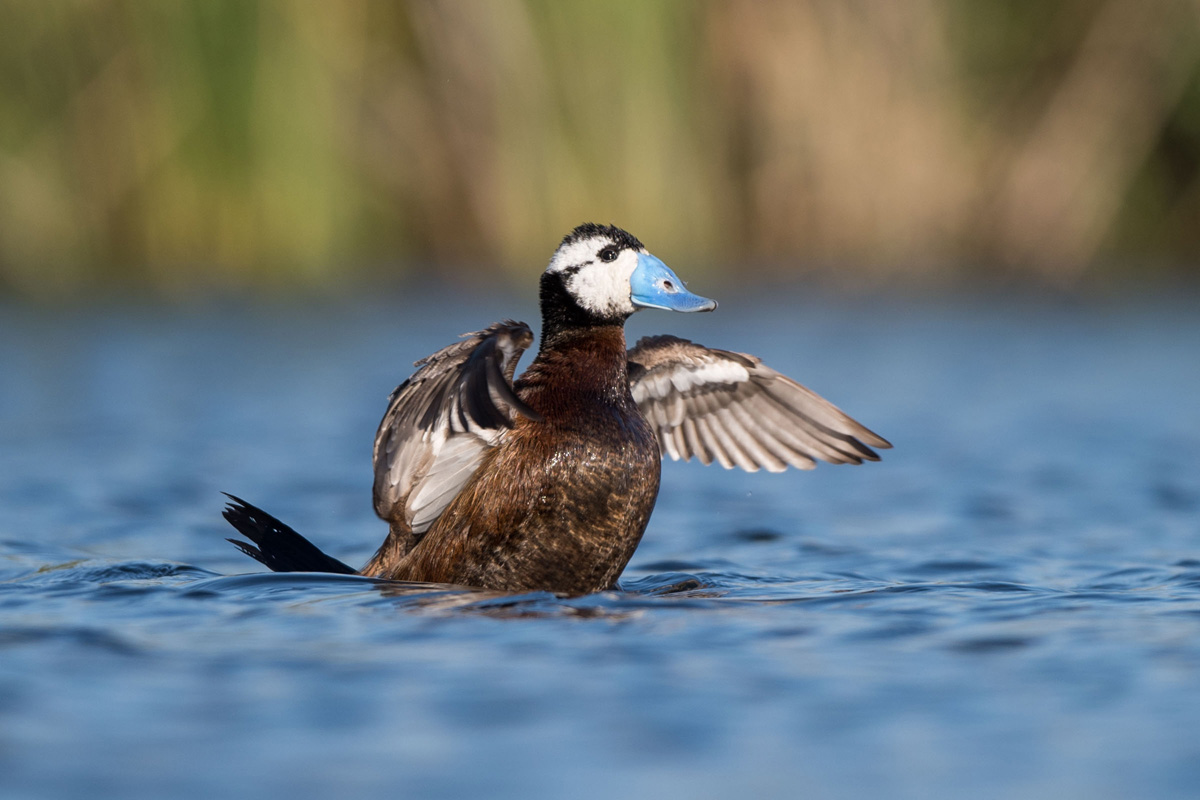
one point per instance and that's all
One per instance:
(601, 274)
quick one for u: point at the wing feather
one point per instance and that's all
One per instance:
(681, 444)
(442, 420)
(695, 443)
(704, 427)
(805, 436)
(757, 440)
(717, 405)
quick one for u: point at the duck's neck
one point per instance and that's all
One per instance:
(580, 354)
(591, 359)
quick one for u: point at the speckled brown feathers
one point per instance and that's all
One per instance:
(560, 504)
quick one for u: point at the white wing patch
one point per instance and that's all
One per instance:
(453, 465)
(687, 377)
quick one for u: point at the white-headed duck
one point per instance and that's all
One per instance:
(547, 482)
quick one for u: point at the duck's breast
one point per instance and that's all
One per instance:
(561, 504)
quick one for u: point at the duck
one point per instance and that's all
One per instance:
(546, 481)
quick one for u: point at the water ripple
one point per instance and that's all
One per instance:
(1008, 605)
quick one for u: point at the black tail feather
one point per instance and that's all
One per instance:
(279, 547)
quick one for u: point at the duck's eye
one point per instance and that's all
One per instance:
(668, 285)
(609, 253)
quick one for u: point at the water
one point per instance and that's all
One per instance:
(1007, 606)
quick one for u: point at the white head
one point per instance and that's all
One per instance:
(608, 274)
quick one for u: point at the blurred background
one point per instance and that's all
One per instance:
(191, 148)
(972, 224)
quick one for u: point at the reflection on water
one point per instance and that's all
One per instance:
(1008, 605)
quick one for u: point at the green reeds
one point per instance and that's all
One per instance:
(221, 144)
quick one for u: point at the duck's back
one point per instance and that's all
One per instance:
(560, 503)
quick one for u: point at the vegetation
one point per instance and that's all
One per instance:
(214, 144)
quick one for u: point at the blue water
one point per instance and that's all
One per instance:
(1008, 606)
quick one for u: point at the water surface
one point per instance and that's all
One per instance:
(1007, 606)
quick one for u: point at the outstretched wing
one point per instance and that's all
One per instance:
(441, 421)
(731, 408)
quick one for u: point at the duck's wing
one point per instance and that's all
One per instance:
(731, 408)
(441, 421)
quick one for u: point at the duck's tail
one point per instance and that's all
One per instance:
(279, 547)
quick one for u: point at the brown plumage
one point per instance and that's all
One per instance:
(558, 504)
(547, 482)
